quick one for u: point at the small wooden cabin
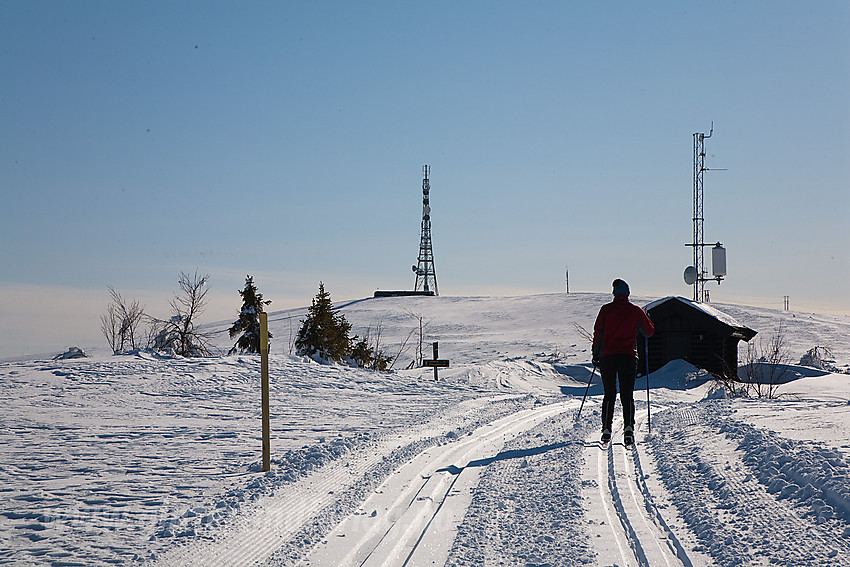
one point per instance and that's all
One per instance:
(695, 332)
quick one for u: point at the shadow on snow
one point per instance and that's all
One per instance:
(504, 455)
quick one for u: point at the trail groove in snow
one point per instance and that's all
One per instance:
(630, 530)
(718, 483)
(526, 509)
(655, 513)
(282, 526)
(411, 517)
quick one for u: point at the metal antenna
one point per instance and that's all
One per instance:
(699, 221)
(426, 276)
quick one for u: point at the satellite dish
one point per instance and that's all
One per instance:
(690, 275)
(414, 269)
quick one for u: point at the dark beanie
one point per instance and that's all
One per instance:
(620, 288)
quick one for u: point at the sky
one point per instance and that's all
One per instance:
(286, 140)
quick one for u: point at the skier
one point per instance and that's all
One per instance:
(615, 353)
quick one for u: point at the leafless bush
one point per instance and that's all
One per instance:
(822, 357)
(765, 366)
(584, 333)
(179, 333)
(121, 323)
(419, 332)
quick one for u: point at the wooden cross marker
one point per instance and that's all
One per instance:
(435, 363)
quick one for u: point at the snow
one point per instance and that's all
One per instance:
(142, 459)
(72, 352)
(704, 307)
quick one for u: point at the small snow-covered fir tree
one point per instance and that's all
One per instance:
(249, 319)
(363, 355)
(323, 334)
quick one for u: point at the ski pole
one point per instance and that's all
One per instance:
(646, 356)
(578, 415)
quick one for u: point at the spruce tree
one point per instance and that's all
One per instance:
(365, 356)
(323, 334)
(249, 319)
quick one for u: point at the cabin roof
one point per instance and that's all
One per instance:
(739, 330)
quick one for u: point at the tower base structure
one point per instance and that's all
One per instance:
(381, 293)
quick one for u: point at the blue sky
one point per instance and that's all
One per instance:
(286, 140)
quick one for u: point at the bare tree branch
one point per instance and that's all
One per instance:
(179, 333)
(765, 367)
(120, 324)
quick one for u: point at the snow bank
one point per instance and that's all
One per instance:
(749, 494)
(811, 474)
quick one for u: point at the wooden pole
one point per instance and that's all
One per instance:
(436, 377)
(264, 378)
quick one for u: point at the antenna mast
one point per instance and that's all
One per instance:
(426, 277)
(699, 215)
(697, 274)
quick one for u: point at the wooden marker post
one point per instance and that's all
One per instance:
(435, 358)
(264, 379)
(436, 363)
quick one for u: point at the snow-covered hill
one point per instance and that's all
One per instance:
(146, 459)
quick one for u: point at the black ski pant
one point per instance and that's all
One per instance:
(622, 368)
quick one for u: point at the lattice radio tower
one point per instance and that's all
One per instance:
(426, 277)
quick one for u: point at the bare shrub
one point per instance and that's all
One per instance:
(179, 334)
(583, 333)
(121, 323)
(765, 366)
(419, 332)
(822, 357)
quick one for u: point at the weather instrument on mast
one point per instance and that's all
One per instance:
(696, 274)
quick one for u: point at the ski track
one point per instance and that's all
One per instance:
(527, 510)
(416, 516)
(631, 529)
(737, 492)
(258, 535)
(414, 513)
(293, 517)
(105, 454)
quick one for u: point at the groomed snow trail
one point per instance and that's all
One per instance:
(282, 526)
(750, 496)
(628, 529)
(412, 518)
(527, 508)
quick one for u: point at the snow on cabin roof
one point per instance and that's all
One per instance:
(707, 309)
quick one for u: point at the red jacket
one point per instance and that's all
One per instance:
(617, 326)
